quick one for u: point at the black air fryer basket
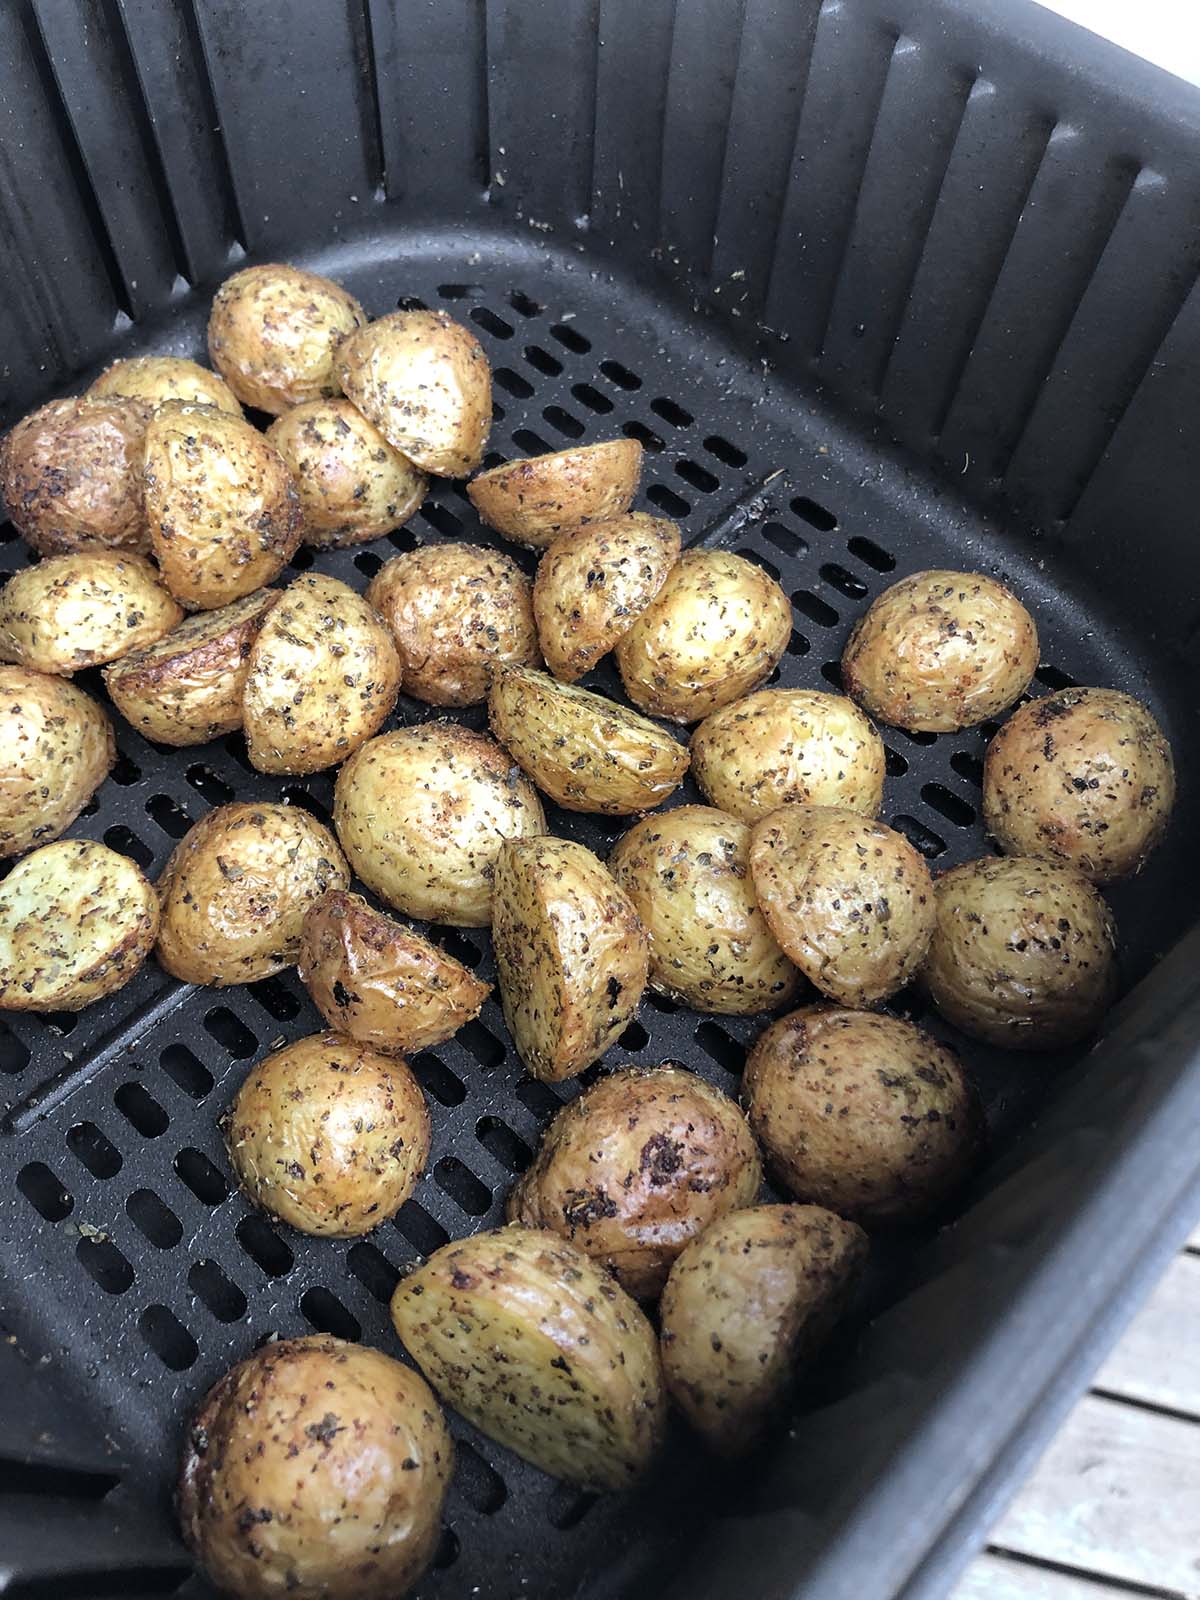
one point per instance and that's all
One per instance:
(937, 259)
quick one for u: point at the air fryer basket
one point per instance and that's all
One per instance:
(935, 260)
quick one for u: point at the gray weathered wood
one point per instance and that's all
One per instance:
(999, 1577)
(1158, 1359)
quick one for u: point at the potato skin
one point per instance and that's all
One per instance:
(155, 379)
(849, 899)
(1084, 777)
(76, 922)
(541, 1350)
(329, 1135)
(537, 498)
(58, 749)
(236, 888)
(71, 476)
(353, 486)
(186, 688)
(571, 955)
(717, 629)
(421, 813)
(455, 610)
(274, 333)
(687, 872)
(747, 1303)
(781, 745)
(425, 383)
(1023, 953)
(380, 983)
(941, 650)
(640, 1164)
(585, 751)
(223, 510)
(316, 1469)
(862, 1113)
(81, 610)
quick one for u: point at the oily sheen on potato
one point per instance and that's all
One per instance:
(59, 748)
(82, 610)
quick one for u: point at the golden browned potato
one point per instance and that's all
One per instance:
(541, 1350)
(781, 745)
(422, 812)
(379, 982)
(862, 1113)
(941, 650)
(322, 678)
(1084, 777)
(329, 1136)
(224, 512)
(76, 922)
(58, 749)
(638, 1165)
(315, 1469)
(455, 610)
(717, 629)
(236, 888)
(687, 872)
(425, 383)
(585, 751)
(747, 1304)
(80, 610)
(571, 955)
(187, 687)
(274, 335)
(71, 476)
(1023, 953)
(535, 499)
(155, 379)
(353, 486)
(849, 899)
(594, 583)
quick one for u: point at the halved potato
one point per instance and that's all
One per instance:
(76, 922)
(541, 1350)
(535, 499)
(156, 379)
(58, 749)
(80, 610)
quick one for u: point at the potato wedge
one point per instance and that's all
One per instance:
(58, 747)
(536, 499)
(81, 610)
(155, 379)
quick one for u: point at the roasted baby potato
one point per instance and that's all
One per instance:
(421, 813)
(1084, 777)
(849, 900)
(58, 749)
(541, 1350)
(687, 872)
(455, 610)
(582, 749)
(236, 888)
(274, 334)
(353, 486)
(1023, 953)
(536, 499)
(378, 982)
(80, 610)
(187, 687)
(941, 650)
(638, 1165)
(224, 513)
(71, 476)
(594, 583)
(746, 1305)
(155, 379)
(76, 922)
(862, 1113)
(322, 677)
(316, 1469)
(717, 629)
(425, 383)
(571, 955)
(329, 1136)
(781, 745)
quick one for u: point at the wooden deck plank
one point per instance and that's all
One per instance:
(1158, 1359)
(998, 1577)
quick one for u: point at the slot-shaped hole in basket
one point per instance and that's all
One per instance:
(264, 1246)
(725, 451)
(154, 1219)
(182, 1067)
(141, 1110)
(454, 1178)
(373, 1270)
(197, 1173)
(816, 515)
(491, 323)
(592, 398)
(326, 1313)
(498, 1139)
(233, 1036)
(126, 843)
(422, 1231)
(218, 1293)
(45, 1191)
(104, 1264)
(97, 1153)
(436, 1078)
(168, 1338)
(480, 1485)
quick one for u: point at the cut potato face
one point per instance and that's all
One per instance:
(536, 499)
(76, 922)
(58, 749)
(155, 379)
(81, 610)
(541, 1350)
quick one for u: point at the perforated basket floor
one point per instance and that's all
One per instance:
(128, 1256)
